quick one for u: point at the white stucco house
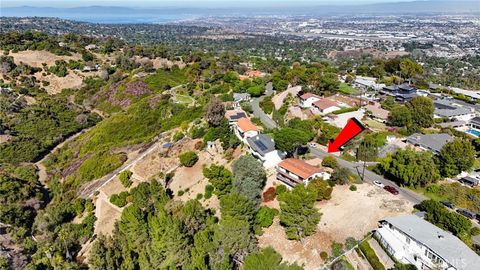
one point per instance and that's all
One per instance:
(244, 129)
(307, 100)
(263, 148)
(325, 106)
(413, 240)
(292, 172)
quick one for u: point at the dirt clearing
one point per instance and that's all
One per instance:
(107, 214)
(36, 58)
(346, 214)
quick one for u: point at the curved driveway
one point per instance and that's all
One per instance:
(258, 112)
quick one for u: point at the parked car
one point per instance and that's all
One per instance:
(466, 213)
(391, 189)
(448, 204)
(378, 184)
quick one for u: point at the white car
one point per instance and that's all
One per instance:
(378, 184)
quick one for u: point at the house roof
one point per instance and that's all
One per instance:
(443, 243)
(448, 108)
(453, 124)
(451, 112)
(325, 103)
(309, 95)
(234, 115)
(299, 167)
(406, 87)
(262, 144)
(433, 142)
(377, 111)
(246, 125)
(476, 119)
(471, 179)
(241, 96)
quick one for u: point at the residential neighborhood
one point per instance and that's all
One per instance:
(251, 135)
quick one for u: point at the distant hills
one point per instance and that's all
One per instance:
(112, 14)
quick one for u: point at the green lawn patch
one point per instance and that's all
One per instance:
(164, 80)
(346, 89)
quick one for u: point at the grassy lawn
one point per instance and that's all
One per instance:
(344, 88)
(375, 125)
(183, 99)
(476, 164)
(163, 80)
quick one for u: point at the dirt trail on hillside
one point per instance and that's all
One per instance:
(42, 170)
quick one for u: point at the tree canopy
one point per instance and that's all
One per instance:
(298, 215)
(248, 177)
(456, 156)
(411, 168)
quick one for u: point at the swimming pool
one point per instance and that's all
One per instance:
(474, 132)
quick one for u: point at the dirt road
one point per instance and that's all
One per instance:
(42, 170)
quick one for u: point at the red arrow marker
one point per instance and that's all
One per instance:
(352, 129)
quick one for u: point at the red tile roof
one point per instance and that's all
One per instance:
(299, 167)
(246, 125)
(308, 95)
(325, 103)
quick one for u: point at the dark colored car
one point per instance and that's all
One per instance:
(448, 204)
(391, 189)
(466, 213)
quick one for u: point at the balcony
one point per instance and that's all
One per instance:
(287, 180)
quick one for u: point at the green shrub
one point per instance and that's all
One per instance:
(78, 206)
(324, 256)
(267, 105)
(330, 162)
(353, 188)
(119, 200)
(178, 136)
(208, 191)
(188, 159)
(198, 132)
(125, 177)
(199, 196)
(280, 189)
(264, 216)
(371, 256)
(337, 249)
(345, 110)
(180, 193)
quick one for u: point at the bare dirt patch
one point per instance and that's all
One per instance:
(347, 214)
(36, 58)
(107, 214)
(4, 138)
(57, 84)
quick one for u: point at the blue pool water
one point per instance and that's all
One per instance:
(474, 132)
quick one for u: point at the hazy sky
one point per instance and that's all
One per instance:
(184, 3)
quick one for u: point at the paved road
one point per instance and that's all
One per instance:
(258, 112)
(356, 167)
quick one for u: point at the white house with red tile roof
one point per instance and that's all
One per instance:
(325, 106)
(307, 100)
(244, 129)
(292, 171)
